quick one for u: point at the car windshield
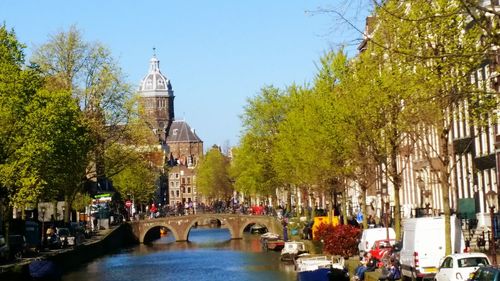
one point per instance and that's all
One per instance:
(472, 262)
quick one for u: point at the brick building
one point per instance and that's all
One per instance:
(179, 147)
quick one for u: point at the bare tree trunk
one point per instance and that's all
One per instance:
(289, 199)
(397, 186)
(363, 206)
(344, 204)
(445, 186)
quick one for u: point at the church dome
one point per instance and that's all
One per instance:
(155, 83)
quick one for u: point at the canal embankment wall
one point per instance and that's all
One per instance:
(106, 242)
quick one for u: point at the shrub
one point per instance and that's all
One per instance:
(338, 240)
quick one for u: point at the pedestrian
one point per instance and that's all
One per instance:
(285, 230)
(393, 273)
(371, 264)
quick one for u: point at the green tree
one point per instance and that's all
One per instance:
(439, 42)
(137, 179)
(43, 142)
(88, 71)
(18, 85)
(57, 147)
(212, 176)
(261, 118)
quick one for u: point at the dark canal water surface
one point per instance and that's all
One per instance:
(210, 255)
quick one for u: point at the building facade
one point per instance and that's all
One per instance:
(179, 148)
(186, 149)
(474, 153)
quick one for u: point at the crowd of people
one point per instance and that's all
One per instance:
(391, 270)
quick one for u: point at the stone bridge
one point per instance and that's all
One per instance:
(181, 225)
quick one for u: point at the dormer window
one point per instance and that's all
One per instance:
(149, 84)
(175, 132)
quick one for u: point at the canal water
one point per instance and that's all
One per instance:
(210, 255)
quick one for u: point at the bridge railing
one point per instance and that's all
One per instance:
(172, 212)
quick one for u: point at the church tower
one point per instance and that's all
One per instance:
(157, 100)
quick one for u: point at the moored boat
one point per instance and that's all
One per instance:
(292, 249)
(269, 236)
(274, 245)
(320, 268)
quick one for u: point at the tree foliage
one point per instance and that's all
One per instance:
(252, 168)
(212, 177)
(137, 180)
(89, 72)
(43, 142)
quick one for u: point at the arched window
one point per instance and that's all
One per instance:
(149, 84)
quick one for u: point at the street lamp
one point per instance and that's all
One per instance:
(492, 198)
(385, 201)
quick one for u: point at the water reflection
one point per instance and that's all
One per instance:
(210, 255)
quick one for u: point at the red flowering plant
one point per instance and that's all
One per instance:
(338, 240)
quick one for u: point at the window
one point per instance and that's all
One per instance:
(177, 193)
(183, 180)
(472, 262)
(447, 263)
(149, 84)
(189, 180)
(189, 189)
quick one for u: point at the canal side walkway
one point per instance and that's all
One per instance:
(105, 241)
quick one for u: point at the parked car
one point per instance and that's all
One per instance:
(370, 235)
(383, 249)
(460, 266)
(486, 273)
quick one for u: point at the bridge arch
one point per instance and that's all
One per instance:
(265, 221)
(150, 227)
(195, 220)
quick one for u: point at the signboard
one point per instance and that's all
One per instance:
(128, 204)
(103, 195)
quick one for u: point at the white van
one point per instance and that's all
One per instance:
(424, 245)
(370, 235)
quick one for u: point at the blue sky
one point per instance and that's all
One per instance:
(217, 53)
